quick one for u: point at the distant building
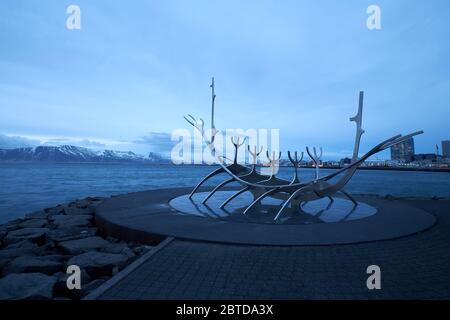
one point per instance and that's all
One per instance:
(404, 151)
(425, 156)
(446, 148)
(345, 161)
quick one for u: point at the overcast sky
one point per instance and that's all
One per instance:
(136, 67)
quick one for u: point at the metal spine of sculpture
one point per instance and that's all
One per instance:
(293, 192)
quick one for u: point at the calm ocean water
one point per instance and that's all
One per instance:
(29, 187)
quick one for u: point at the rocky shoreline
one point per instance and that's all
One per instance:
(35, 252)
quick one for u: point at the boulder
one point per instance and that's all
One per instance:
(117, 248)
(95, 199)
(37, 215)
(71, 221)
(61, 289)
(98, 264)
(27, 286)
(88, 202)
(30, 264)
(3, 234)
(140, 250)
(78, 211)
(114, 247)
(3, 263)
(57, 257)
(112, 239)
(59, 209)
(48, 248)
(82, 245)
(33, 223)
(11, 225)
(24, 244)
(128, 253)
(65, 234)
(36, 235)
(11, 253)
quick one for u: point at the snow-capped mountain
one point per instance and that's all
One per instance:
(67, 153)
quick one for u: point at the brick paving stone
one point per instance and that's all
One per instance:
(413, 267)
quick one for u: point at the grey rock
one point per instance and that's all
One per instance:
(36, 235)
(72, 221)
(30, 264)
(48, 248)
(3, 234)
(112, 239)
(33, 223)
(117, 248)
(18, 249)
(9, 254)
(128, 253)
(95, 199)
(58, 257)
(87, 202)
(61, 289)
(62, 278)
(11, 222)
(27, 286)
(114, 247)
(140, 250)
(24, 244)
(82, 245)
(11, 225)
(78, 211)
(3, 263)
(37, 215)
(59, 209)
(65, 234)
(98, 264)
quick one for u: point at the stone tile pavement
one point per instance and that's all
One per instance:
(414, 267)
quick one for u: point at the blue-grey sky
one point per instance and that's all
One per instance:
(136, 67)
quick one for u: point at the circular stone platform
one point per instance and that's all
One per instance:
(319, 211)
(148, 215)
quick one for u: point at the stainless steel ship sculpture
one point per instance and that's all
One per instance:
(294, 192)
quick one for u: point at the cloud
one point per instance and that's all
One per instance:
(157, 141)
(12, 142)
(91, 143)
(86, 143)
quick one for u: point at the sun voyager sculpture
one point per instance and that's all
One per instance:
(291, 193)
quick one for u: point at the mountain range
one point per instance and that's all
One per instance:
(68, 153)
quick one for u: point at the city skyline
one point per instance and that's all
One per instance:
(127, 77)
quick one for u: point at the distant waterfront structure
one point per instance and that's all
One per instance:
(404, 151)
(432, 157)
(345, 161)
(446, 148)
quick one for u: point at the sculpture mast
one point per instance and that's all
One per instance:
(359, 130)
(213, 98)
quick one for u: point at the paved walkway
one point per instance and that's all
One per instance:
(413, 267)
